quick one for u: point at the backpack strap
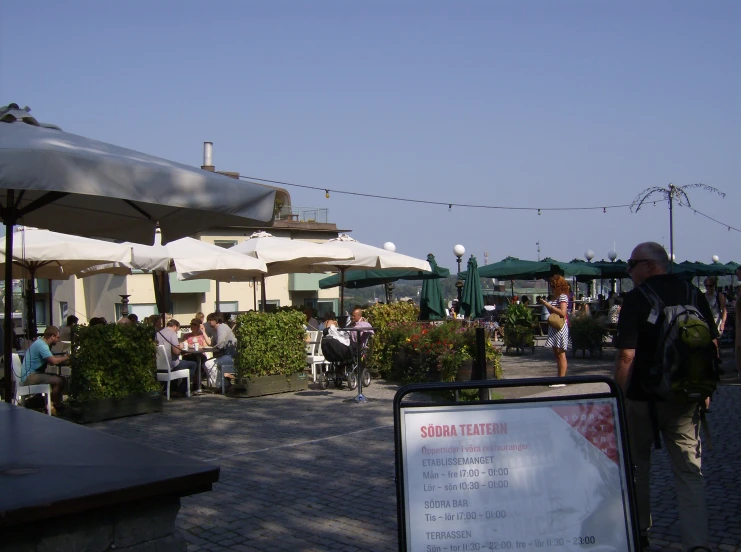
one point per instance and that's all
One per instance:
(656, 305)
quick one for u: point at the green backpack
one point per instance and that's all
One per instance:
(685, 368)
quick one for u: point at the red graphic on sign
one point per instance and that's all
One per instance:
(595, 422)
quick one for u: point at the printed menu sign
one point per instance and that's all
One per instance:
(526, 476)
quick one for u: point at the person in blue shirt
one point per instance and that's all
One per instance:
(34, 364)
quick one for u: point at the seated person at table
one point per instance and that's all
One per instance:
(311, 324)
(225, 344)
(35, 361)
(357, 321)
(197, 335)
(134, 318)
(614, 314)
(65, 332)
(168, 337)
(336, 345)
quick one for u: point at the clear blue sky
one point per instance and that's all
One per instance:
(532, 104)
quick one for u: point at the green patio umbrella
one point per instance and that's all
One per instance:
(574, 268)
(512, 268)
(355, 279)
(431, 302)
(472, 300)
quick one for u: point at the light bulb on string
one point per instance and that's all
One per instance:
(604, 209)
(450, 207)
(538, 211)
(326, 194)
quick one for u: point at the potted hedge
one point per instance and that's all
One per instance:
(587, 334)
(271, 355)
(518, 323)
(113, 372)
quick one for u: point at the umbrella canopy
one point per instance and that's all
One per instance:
(472, 300)
(431, 302)
(355, 279)
(512, 268)
(191, 259)
(45, 254)
(574, 268)
(69, 183)
(367, 256)
(612, 269)
(54, 256)
(284, 255)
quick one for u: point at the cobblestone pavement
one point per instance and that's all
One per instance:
(314, 471)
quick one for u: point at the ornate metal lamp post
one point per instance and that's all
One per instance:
(589, 255)
(459, 251)
(389, 286)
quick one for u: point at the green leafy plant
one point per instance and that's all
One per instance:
(395, 323)
(587, 333)
(270, 343)
(112, 361)
(518, 323)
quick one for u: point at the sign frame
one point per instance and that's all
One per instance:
(623, 461)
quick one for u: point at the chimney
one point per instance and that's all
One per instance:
(208, 156)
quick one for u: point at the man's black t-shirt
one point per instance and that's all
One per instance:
(636, 332)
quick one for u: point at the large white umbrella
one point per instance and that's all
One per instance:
(54, 256)
(68, 183)
(285, 256)
(367, 256)
(191, 259)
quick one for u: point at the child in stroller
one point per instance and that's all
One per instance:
(342, 355)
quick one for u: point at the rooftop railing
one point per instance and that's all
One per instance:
(292, 213)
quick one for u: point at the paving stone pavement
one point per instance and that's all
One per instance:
(313, 471)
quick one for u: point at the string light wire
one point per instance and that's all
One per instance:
(450, 205)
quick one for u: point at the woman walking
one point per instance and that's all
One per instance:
(558, 340)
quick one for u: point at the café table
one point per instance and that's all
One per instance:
(197, 356)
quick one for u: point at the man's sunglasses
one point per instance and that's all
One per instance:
(633, 262)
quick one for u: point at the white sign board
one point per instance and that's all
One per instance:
(519, 476)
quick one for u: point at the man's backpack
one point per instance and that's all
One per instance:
(685, 368)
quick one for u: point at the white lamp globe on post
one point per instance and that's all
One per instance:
(716, 259)
(459, 251)
(589, 255)
(612, 255)
(389, 246)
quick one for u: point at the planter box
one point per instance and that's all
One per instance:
(107, 409)
(466, 369)
(269, 385)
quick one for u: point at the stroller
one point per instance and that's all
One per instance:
(342, 364)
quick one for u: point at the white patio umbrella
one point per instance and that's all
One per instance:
(54, 256)
(285, 256)
(64, 182)
(367, 256)
(191, 259)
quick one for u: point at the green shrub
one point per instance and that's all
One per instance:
(587, 332)
(270, 343)
(112, 361)
(395, 322)
(518, 323)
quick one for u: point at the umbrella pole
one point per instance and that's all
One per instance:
(8, 332)
(342, 292)
(254, 293)
(263, 295)
(51, 303)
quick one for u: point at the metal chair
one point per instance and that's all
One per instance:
(314, 357)
(22, 390)
(166, 373)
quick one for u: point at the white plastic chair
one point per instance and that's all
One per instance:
(314, 357)
(22, 390)
(166, 373)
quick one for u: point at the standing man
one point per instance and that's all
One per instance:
(679, 424)
(225, 343)
(34, 365)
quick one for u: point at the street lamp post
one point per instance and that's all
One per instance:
(589, 255)
(612, 255)
(459, 251)
(388, 286)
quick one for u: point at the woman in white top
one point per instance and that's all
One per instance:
(558, 340)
